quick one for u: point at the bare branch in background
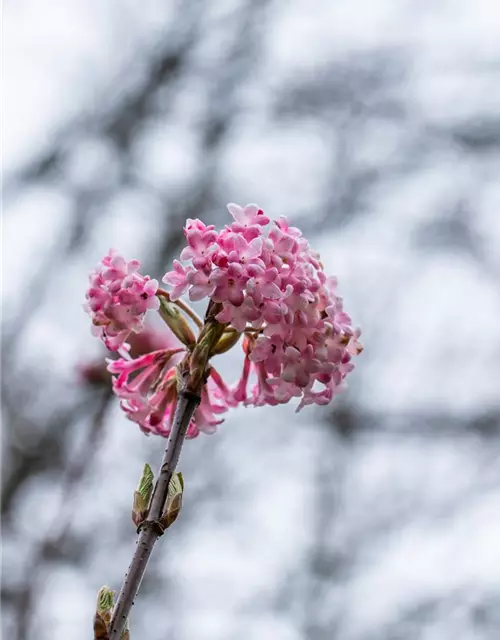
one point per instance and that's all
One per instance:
(58, 538)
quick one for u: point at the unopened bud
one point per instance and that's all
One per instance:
(174, 500)
(142, 496)
(104, 609)
(248, 343)
(227, 341)
(176, 322)
(125, 634)
(105, 600)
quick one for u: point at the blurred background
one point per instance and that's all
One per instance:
(375, 127)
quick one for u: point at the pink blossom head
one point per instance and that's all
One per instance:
(118, 298)
(269, 283)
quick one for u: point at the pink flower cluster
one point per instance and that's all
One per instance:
(118, 298)
(268, 284)
(147, 388)
(269, 281)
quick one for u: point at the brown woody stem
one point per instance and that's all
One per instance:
(192, 374)
(151, 529)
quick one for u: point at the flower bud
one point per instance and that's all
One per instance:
(176, 322)
(142, 496)
(227, 341)
(104, 609)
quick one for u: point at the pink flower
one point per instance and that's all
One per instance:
(354, 347)
(263, 283)
(179, 279)
(321, 397)
(196, 224)
(246, 217)
(240, 250)
(340, 320)
(299, 365)
(240, 316)
(270, 351)
(148, 394)
(282, 247)
(271, 281)
(293, 232)
(229, 284)
(239, 393)
(201, 285)
(201, 243)
(118, 298)
(262, 392)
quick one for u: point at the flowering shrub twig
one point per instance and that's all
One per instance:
(265, 287)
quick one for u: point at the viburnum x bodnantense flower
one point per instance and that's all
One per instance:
(265, 288)
(118, 298)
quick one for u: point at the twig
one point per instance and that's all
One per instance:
(192, 373)
(151, 529)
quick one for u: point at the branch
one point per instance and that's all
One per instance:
(151, 529)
